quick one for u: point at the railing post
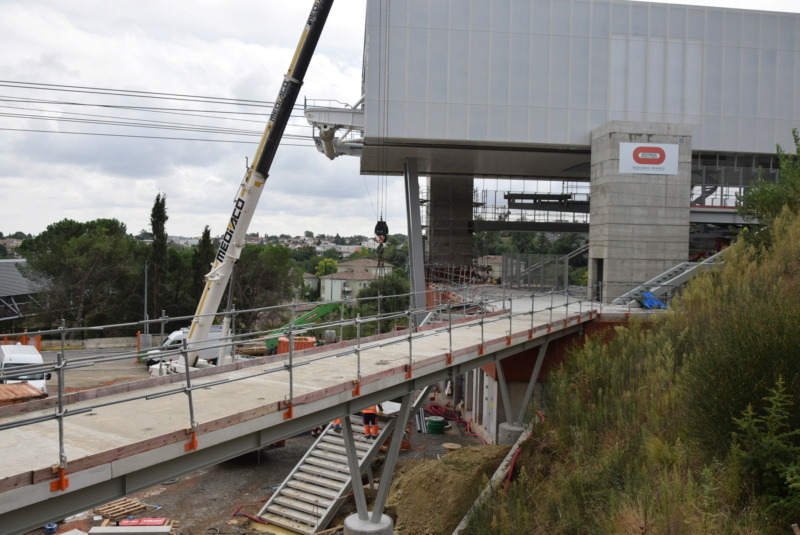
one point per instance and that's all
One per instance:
(358, 347)
(380, 302)
(163, 322)
(290, 412)
(341, 321)
(449, 333)
(483, 315)
(533, 309)
(62, 482)
(410, 352)
(192, 444)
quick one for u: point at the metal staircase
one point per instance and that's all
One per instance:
(313, 492)
(666, 282)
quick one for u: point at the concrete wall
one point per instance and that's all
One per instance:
(640, 222)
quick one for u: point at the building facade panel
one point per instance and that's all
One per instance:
(474, 72)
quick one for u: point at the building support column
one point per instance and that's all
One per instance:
(532, 383)
(416, 253)
(511, 429)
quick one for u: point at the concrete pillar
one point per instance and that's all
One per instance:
(639, 209)
(355, 526)
(450, 211)
(509, 433)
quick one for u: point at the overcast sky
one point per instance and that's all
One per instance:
(236, 49)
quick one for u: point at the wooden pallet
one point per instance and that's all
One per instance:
(119, 509)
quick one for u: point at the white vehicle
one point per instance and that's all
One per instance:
(169, 350)
(12, 357)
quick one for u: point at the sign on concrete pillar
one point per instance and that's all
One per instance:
(640, 188)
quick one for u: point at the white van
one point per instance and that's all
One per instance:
(169, 349)
(15, 356)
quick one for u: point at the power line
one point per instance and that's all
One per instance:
(147, 137)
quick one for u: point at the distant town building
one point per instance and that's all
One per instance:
(364, 264)
(181, 240)
(310, 280)
(344, 285)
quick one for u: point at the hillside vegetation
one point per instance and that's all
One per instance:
(687, 425)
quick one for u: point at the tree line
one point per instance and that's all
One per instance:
(95, 273)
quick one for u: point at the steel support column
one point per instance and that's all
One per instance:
(355, 471)
(416, 253)
(532, 383)
(391, 458)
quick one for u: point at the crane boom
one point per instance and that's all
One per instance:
(252, 185)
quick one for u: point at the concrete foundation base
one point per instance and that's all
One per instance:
(509, 433)
(355, 526)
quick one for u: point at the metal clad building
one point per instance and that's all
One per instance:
(548, 72)
(581, 90)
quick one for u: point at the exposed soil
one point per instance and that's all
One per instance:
(431, 497)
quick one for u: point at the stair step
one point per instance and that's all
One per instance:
(311, 498)
(361, 443)
(310, 488)
(320, 481)
(330, 465)
(316, 510)
(335, 448)
(322, 472)
(284, 522)
(290, 513)
(335, 457)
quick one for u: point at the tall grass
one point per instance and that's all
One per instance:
(640, 432)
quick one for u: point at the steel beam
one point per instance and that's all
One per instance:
(416, 253)
(355, 470)
(391, 458)
(532, 383)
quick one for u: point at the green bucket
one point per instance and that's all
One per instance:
(436, 425)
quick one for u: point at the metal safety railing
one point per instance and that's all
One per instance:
(490, 304)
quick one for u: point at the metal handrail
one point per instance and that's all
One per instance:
(487, 297)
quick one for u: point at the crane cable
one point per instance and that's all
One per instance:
(381, 228)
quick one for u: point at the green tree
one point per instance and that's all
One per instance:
(178, 290)
(307, 234)
(158, 253)
(88, 272)
(326, 266)
(389, 294)
(331, 253)
(767, 454)
(306, 257)
(764, 201)
(363, 253)
(396, 254)
(202, 259)
(265, 278)
(19, 235)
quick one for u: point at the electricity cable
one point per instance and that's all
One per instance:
(148, 137)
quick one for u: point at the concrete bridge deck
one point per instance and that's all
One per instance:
(125, 438)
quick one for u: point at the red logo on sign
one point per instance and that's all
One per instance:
(649, 155)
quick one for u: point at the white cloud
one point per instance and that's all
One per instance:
(235, 49)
